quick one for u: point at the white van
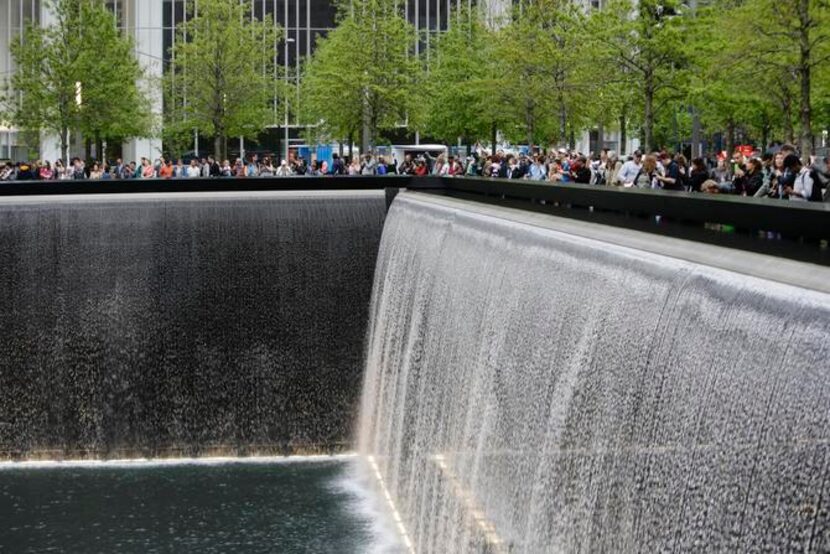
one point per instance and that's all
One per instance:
(399, 151)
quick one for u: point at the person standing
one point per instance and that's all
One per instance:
(95, 173)
(46, 173)
(226, 170)
(194, 170)
(166, 170)
(368, 166)
(804, 184)
(147, 169)
(750, 179)
(215, 170)
(646, 178)
(119, 168)
(670, 179)
(78, 172)
(337, 165)
(267, 169)
(698, 175)
(284, 170)
(252, 167)
(613, 165)
(630, 169)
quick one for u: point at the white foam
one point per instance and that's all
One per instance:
(165, 462)
(368, 506)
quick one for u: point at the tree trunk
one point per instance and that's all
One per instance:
(805, 110)
(623, 133)
(494, 130)
(529, 124)
(218, 147)
(696, 150)
(366, 134)
(730, 138)
(99, 147)
(648, 113)
(600, 137)
(563, 124)
(87, 149)
(676, 132)
(65, 146)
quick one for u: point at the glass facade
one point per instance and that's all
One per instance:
(302, 21)
(14, 15)
(153, 24)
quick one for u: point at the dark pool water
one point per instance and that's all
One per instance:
(302, 506)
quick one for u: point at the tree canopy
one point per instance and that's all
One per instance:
(79, 73)
(363, 76)
(221, 80)
(540, 72)
(463, 80)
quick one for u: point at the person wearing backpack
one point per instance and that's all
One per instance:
(382, 168)
(821, 168)
(337, 165)
(806, 185)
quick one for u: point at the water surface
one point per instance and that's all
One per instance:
(305, 506)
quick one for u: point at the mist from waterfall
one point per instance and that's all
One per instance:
(528, 390)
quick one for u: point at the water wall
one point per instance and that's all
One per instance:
(531, 390)
(183, 324)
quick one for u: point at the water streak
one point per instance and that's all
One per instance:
(210, 324)
(528, 390)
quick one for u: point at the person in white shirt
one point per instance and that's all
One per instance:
(802, 188)
(804, 184)
(193, 170)
(630, 169)
(283, 170)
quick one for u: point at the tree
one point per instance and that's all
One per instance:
(543, 89)
(363, 74)
(461, 82)
(788, 40)
(64, 78)
(43, 89)
(332, 87)
(113, 107)
(725, 84)
(221, 79)
(645, 40)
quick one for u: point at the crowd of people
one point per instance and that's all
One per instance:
(777, 173)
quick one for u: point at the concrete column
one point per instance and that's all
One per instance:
(144, 21)
(50, 143)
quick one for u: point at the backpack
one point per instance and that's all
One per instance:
(815, 194)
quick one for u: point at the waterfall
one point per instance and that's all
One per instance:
(531, 390)
(163, 325)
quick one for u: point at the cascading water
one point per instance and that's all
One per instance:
(147, 325)
(528, 390)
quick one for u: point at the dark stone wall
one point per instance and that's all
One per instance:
(161, 325)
